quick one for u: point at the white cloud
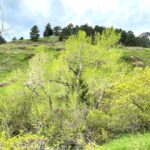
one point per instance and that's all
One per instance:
(127, 14)
(37, 7)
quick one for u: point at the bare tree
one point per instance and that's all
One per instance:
(3, 29)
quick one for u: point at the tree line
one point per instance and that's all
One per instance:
(128, 38)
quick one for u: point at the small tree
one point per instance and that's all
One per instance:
(2, 40)
(14, 39)
(21, 38)
(61, 37)
(67, 31)
(57, 30)
(34, 34)
(48, 31)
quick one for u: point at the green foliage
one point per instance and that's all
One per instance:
(96, 122)
(124, 107)
(82, 95)
(48, 31)
(2, 40)
(14, 39)
(137, 56)
(34, 34)
(57, 30)
(22, 141)
(67, 31)
(129, 142)
(87, 29)
(129, 106)
(108, 38)
(21, 38)
(61, 37)
(130, 40)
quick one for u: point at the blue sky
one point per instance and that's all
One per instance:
(21, 15)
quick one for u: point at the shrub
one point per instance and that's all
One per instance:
(23, 141)
(61, 37)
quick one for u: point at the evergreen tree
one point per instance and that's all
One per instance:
(14, 39)
(130, 39)
(57, 30)
(123, 37)
(67, 31)
(21, 38)
(2, 40)
(88, 29)
(99, 29)
(48, 31)
(34, 34)
(61, 37)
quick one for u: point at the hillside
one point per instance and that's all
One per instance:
(128, 142)
(15, 55)
(72, 94)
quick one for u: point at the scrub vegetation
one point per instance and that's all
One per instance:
(83, 92)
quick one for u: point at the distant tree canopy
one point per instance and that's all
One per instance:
(99, 29)
(34, 34)
(127, 38)
(88, 29)
(2, 40)
(67, 31)
(48, 31)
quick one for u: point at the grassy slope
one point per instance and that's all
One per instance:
(141, 54)
(17, 54)
(13, 56)
(128, 142)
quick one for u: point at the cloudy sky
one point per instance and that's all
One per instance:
(21, 15)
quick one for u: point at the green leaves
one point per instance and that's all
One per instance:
(108, 39)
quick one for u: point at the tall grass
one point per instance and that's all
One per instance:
(129, 142)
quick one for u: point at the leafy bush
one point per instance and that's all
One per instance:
(23, 141)
(84, 94)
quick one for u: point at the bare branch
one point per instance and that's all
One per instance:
(2, 22)
(33, 90)
(61, 82)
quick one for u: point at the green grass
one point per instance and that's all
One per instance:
(13, 57)
(142, 54)
(16, 55)
(128, 142)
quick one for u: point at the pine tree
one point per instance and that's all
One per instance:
(61, 37)
(21, 38)
(14, 39)
(2, 40)
(57, 30)
(34, 34)
(48, 31)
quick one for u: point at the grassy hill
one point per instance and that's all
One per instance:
(128, 142)
(15, 55)
(32, 108)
